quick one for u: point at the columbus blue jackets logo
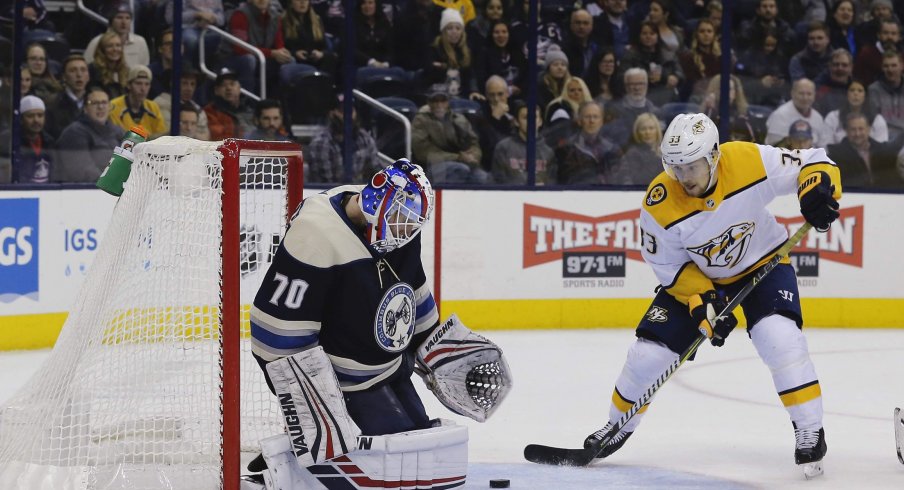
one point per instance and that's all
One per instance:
(727, 249)
(394, 324)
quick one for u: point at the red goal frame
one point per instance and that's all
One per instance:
(230, 320)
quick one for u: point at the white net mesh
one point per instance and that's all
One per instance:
(130, 396)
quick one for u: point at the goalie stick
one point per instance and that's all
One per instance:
(538, 453)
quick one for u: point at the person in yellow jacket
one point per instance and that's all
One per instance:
(134, 108)
(464, 7)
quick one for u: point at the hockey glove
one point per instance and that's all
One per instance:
(704, 309)
(817, 205)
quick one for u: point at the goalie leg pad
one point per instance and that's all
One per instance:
(283, 469)
(424, 459)
(317, 420)
(466, 372)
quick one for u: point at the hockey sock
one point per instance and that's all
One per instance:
(646, 361)
(783, 347)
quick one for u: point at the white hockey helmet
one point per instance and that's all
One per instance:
(689, 138)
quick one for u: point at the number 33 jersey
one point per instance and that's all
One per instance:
(327, 286)
(693, 242)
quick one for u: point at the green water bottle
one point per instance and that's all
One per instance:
(117, 171)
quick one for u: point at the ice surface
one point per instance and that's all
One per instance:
(717, 424)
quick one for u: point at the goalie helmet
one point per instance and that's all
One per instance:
(396, 203)
(689, 138)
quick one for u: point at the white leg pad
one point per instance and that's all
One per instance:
(420, 459)
(314, 409)
(283, 471)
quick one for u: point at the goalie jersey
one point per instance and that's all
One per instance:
(693, 242)
(327, 286)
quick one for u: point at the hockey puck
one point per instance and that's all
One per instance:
(502, 483)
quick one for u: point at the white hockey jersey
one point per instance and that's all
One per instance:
(693, 242)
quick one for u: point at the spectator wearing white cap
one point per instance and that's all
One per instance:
(36, 151)
(555, 74)
(134, 108)
(450, 63)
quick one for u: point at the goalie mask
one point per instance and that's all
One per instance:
(689, 138)
(396, 203)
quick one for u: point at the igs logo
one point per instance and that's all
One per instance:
(18, 249)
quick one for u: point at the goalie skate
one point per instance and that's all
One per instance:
(811, 448)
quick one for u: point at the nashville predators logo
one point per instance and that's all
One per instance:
(698, 128)
(727, 249)
(657, 314)
(656, 195)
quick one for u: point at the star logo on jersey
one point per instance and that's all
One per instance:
(656, 195)
(727, 249)
(394, 324)
(657, 314)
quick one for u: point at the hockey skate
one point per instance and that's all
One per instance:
(613, 445)
(811, 448)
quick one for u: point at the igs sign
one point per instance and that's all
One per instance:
(18, 249)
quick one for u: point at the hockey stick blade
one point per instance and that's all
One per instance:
(899, 434)
(538, 453)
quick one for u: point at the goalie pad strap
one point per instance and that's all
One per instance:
(313, 406)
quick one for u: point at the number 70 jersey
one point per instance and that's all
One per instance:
(693, 242)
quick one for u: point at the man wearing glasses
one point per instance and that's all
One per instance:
(85, 146)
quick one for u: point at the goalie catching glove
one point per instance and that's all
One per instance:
(705, 308)
(466, 372)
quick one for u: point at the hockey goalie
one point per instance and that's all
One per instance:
(342, 320)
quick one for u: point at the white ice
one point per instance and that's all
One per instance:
(717, 423)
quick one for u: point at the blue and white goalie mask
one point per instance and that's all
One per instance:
(396, 203)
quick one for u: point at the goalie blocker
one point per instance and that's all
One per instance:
(323, 447)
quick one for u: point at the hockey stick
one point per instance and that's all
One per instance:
(537, 453)
(899, 434)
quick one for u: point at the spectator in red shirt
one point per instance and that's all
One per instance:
(259, 24)
(229, 114)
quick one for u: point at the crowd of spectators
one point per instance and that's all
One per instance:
(612, 73)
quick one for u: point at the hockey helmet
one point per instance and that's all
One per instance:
(689, 138)
(396, 203)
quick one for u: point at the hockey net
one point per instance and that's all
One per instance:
(142, 387)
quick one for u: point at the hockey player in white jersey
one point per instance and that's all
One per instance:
(705, 229)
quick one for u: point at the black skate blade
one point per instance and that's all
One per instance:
(537, 453)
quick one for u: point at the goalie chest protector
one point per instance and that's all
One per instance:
(326, 285)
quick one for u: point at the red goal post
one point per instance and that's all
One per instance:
(232, 150)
